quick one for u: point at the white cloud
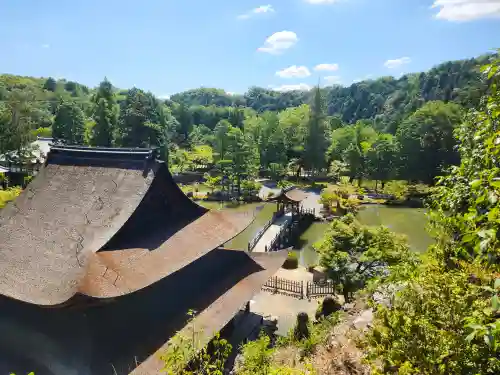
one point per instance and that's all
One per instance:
(259, 10)
(396, 63)
(332, 80)
(466, 10)
(294, 71)
(279, 42)
(45, 45)
(322, 1)
(299, 86)
(327, 67)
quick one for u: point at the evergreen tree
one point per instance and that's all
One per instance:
(105, 115)
(185, 120)
(142, 121)
(69, 123)
(50, 84)
(316, 138)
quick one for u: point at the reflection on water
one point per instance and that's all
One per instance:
(408, 221)
(307, 255)
(261, 218)
(411, 222)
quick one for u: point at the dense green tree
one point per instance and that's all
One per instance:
(69, 123)
(351, 144)
(221, 139)
(237, 153)
(185, 120)
(353, 253)
(200, 135)
(237, 117)
(294, 122)
(105, 115)
(316, 143)
(382, 159)
(143, 121)
(16, 120)
(427, 142)
(204, 97)
(50, 84)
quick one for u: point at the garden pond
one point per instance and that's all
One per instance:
(411, 222)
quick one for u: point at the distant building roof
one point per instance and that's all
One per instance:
(36, 152)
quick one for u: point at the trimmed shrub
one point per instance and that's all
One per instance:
(291, 262)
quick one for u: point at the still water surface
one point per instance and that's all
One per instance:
(408, 221)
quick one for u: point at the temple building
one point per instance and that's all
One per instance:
(101, 258)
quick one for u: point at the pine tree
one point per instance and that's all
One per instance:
(105, 115)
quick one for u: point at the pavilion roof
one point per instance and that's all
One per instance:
(293, 195)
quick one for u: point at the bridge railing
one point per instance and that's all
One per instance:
(261, 232)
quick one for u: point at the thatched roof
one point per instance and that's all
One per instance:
(51, 237)
(107, 240)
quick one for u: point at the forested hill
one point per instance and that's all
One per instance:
(411, 118)
(385, 100)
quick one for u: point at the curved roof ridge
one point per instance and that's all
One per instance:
(50, 235)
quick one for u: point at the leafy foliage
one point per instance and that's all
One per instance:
(445, 318)
(8, 195)
(185, 355)
(353, 253)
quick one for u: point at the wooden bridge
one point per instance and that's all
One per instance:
(280, 231)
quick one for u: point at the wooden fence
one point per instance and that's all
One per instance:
(319, 289)
(296, 288)
(277, 284)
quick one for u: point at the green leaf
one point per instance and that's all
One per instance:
(469, 237)
(495, 302)
(470, 336)
(487, 340)
(495, 184)
(497, 284)
(475, 326)
(475, 184)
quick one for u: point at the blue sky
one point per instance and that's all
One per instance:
(167, 46)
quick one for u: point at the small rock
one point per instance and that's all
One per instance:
(364, 320)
